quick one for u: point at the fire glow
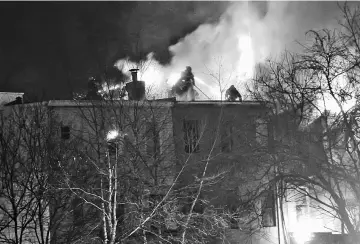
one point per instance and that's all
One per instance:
(228, 50)
(150, 70)
(164, 77)
(218, 52)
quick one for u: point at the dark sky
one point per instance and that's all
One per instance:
(49, 49)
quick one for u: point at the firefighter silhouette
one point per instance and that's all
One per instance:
(232, 94)
(185, 84)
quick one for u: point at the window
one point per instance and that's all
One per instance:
(112, 148)
(152, 141)
(261, 131)
(227, 138)
(191, 136)
(268, 209)
(65, 132)
(199, 206)
(250, 132)
(78, 211)
(22, 124)
(301, 204)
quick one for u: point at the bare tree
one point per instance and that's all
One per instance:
(125, 169)
(314, 97)
(220, 75)
(29, 201)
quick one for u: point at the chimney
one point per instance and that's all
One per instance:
(136, 88)
(134, 74)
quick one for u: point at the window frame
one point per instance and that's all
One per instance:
(152, 143)
(191, 130)
(268, 209)
(65, 135)
(227, 138)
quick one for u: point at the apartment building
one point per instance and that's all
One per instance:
(223, 144)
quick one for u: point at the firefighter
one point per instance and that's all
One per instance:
(232, 94)
(188, 83)
(185, 84)
(188, 77)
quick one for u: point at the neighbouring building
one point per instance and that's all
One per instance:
(8, 97)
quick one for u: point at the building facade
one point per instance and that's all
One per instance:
(217, 153)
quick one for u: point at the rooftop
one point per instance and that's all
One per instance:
(160, 102)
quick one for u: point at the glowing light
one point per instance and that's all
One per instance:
(107, 88)
(112, 134)
(246, 62)
(150, 70)
(173, 78)
(114, 87)
(329, 103)
(302, 230)
(302, 237)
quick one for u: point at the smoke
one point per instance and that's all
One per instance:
(226, 52)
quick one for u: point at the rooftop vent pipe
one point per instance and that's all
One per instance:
(134, 74)
(136, 88)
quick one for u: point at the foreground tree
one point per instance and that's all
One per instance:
(316, 113)
(126, 174)
(29, 200)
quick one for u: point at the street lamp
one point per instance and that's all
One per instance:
(115, 140)
(112, 134)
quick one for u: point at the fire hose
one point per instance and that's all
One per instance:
(182, 86)
(202, 92)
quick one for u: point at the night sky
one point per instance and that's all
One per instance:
(50, 49)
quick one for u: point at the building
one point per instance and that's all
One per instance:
(166, 133)
(8, 97)
(222, 147)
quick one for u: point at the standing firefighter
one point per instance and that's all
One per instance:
(188, 77)
(184, 87)
(232, 94)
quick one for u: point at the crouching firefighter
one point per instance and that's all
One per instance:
(232, 94)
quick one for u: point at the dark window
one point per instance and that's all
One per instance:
(234, 221)
(65, 132)
(191, 135)
(154, 199)
(112, 148)
(227, 138)
(152, 141)
(198, 207)
(22, 124)
(250, 132)
(268, 209)
(78, 212)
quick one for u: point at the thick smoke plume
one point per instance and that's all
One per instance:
(227, 52)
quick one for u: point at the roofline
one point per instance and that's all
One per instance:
(15, 93)
(220, 102)
(160, 102)
(92, 103)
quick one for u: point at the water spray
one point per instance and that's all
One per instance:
(202, 92)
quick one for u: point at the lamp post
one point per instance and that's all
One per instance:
(114, 139)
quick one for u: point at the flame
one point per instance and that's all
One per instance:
(246, 63)
(156, 75)
(227, 41)
(173, 78)
(112, 89)
(149, 70)
(231, 39)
